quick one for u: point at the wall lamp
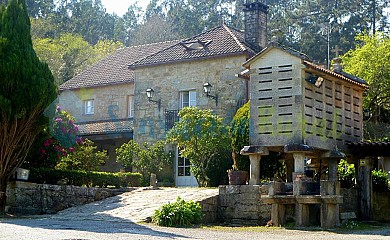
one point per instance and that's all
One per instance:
(207, 89)
(150, 95)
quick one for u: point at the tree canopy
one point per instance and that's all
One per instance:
(370, 60)
(201, 137)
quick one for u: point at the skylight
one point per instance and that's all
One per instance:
(195, 45)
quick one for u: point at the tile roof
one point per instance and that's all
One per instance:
(223, 41)
(106, 127)
(114, 68)
(306, 60)
(339, 74)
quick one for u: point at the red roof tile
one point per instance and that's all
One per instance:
(223, 41)
(105, 127)
(114, 68)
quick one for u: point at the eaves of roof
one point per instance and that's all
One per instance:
(106, 127)
(341, 75)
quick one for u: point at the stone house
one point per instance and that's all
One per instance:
(109, 99)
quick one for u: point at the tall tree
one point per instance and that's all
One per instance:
(371, 62)
(26, 89)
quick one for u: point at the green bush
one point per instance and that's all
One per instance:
(346, 173)
(84, 178)
(380, 181)
(178, 214)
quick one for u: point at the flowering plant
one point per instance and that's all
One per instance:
(63, 139)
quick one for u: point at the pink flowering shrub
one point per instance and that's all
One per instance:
(58, 140)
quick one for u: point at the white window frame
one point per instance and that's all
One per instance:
(130, 106)
(188, 98)
(89, 106)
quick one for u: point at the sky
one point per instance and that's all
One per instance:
(120, 6)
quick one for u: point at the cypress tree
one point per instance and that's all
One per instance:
(26, 90)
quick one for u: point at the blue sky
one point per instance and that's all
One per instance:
(120, 6)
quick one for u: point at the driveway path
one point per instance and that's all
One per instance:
(118, 218)
(134, 206)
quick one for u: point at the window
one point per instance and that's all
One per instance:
(183, 167)
(187, 99)
(130, 106)
(89, 106)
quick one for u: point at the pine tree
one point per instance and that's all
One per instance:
(26, 90)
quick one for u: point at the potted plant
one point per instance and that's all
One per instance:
(239, 133)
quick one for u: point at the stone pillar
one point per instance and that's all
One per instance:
(330, 215)
(254, 169)
(302, 214)
(332, 165)
(278, 212)
(153, 180)
(299, 164)
(365, 183)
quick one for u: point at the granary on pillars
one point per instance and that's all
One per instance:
(308, 114)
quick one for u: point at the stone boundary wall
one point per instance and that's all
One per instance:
(381, 209)
(25, 198)
(242, 205)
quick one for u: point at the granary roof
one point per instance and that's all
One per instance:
(306, 60)
(339, 74)
(216, 42)
(113, 69)
(105, 127)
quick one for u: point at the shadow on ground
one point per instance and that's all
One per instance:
(89, 219)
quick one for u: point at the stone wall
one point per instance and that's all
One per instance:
(26, 198)
(381, 209)
(169, 80)
(350, 200)
(242, 205)
(110, 102)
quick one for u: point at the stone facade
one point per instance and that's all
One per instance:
(168, 80)
(30, 198)
(110, 102)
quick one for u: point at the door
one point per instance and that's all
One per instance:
(183, 175)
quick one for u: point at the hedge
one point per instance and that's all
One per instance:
(84, 178)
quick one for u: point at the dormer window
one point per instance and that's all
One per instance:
(195, 45)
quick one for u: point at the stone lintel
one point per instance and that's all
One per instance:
(334, 154)
(297, 148)
(254, 150)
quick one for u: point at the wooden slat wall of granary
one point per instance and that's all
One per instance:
(276, 112)
(332, 113)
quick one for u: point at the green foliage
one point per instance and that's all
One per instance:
(380, 181)
(26, 90)
(178, 214)
(346, 173)
(239, 133)
(84, 157)
(370, 61)
(69, 54)
(84, 178)
(202, 137)
(146, 159)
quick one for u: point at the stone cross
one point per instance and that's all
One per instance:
(337, 50)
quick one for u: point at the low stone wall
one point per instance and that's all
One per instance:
(242, 205)
(350, 201)
(381, 209)
(209, 209)
(26, 198)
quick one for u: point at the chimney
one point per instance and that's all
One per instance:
(337, 67)
(256, 24)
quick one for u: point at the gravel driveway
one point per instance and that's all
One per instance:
(118, 218)
(55, 229)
